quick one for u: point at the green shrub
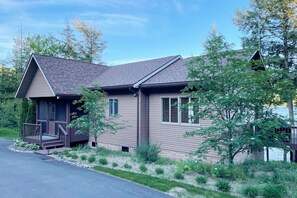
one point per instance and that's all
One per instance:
(223, 185)
(26, 145)
(68, 154)
(91, 159)
(251, 191)
(273, 191)
(143, 168)
(83, 157)
(148, 152)
(127, 166)
(74, 156)
(114, 164)
(179, 175)
(159, 171)
(55, 152)
(103, 161)
(201, 180)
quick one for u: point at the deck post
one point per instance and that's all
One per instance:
(40, 133)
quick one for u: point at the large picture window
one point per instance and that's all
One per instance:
(113, 107)
(178, 110)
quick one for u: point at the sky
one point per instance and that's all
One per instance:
(133, 29)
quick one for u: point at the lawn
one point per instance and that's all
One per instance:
(162, 184)
(8, 133)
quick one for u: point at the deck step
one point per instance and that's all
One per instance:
(52, 144)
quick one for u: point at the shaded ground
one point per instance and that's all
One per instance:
(32, 175)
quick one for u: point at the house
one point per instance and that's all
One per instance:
(142, 93)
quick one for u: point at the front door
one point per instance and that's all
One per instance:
(51, 115)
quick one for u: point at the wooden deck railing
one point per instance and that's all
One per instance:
(32, 133)
(62, 134)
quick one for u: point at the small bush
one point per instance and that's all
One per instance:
(201, 180)
(114, 164)
(91, 159)
(127, 166)
(26, 145)
(83, 157)
(223, 185)
(143, 168)
(179, 175)
(148, 152)
(55, 152)
(74, 156)
(9, 133)
(103, 161)
(273, 191)
(68, 154)
(159, 171)
(251, 191)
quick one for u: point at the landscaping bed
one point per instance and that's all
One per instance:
(250, 179)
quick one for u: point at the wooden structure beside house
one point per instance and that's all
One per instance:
(142, 93)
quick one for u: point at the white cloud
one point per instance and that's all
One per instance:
(178, 6)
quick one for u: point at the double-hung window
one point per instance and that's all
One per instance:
(113, 107)
(179, 110)
(170, 109)
(188, 111)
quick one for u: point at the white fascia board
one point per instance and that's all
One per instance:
(24, 76)
(136, 85)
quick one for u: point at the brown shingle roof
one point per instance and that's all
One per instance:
(130, 73)
(66, 76)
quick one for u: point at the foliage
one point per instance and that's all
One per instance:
(227, 91)
(251, 191)
(92, 45)
(103, 161)
(93, 121)
(26, 145)
(74, 156)
(271, 26)
(179, 175)
(273, 191)
(91, 159)
(162, 184)
(159, 171)
(101, 151)
(223, 185)
(201, 180)
(114, 164)
(127, 166)
(55, 152)
(148, 152)
(8, 133)
(165, 161)
(83, 157)
(81, 147)
(143, 168)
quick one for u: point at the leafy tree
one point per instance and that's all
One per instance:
(92, 45)
(94, 122)
(230, 94)
(44, 44)
(271, 26)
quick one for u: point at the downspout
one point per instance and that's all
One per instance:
(135, 94)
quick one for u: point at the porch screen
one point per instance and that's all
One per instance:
(42, 106)
(61, 112)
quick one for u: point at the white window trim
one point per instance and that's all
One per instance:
(112, 114)
(179, 123)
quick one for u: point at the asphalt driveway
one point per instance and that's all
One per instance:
(33, 175)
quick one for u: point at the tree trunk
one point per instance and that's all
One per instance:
(96, 143)
(267, 153)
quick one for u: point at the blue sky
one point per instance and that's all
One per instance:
(134, 29)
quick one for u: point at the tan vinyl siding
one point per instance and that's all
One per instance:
(144, 120)
(170, 135)
(128, 114)
(39, 87)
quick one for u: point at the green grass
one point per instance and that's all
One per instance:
(162, 184)
(8, 133)
(104, 152)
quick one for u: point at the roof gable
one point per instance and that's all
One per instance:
(132, 73)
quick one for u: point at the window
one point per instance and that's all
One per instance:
(175, 110)
(170, 109)
(113, 107)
